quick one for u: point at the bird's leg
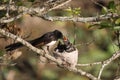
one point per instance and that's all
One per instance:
(48, 49)
(42, 58)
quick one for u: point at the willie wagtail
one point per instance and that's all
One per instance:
(48, 39)
(67, 52)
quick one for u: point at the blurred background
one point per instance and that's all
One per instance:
(94, 45)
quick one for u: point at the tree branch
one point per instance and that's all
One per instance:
(89, 64)
(83, 19)
(7, 20)
(101, 70)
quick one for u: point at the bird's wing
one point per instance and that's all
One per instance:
(41, 41)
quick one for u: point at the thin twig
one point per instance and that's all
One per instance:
(85, 73)
(101, 70)
(62, 4)
(89, 64)
(8, 8)
(7, 64)
(97, 3)
(84, 44)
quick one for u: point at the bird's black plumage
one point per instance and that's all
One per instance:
(39, 42)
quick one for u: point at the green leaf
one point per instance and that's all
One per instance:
(105, 25)
(90, 26)
(1, 53)
(68, 9)
(116, 27)
(5, 0)
(111, 5)
(19, 3)
(104, 9)
(117, 21)
(74, 11)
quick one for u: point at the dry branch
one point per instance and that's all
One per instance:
(83, 19)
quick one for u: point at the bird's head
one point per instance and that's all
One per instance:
(58, 34)
(66, 41)
(68, 45)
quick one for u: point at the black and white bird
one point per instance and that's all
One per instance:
(66, 52)
(48, 39)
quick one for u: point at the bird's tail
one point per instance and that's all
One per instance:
(13, 46)
(18, 44)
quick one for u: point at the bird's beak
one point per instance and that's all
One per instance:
(64, 38)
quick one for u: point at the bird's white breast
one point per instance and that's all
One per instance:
(51, 43)
(71, 57)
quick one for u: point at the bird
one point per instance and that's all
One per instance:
(67, 53)
(48, 39)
